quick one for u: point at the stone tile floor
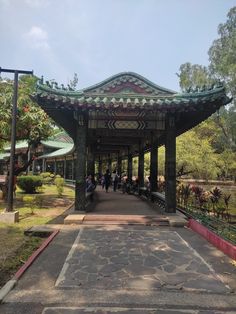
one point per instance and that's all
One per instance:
(136, 259)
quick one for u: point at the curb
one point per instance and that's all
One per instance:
(223, 245)
(12, 282)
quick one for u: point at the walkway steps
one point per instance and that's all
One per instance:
(93, 219)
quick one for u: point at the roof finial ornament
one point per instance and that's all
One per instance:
(41, 80)
(63, 87)
(69, 87)
(48, 84)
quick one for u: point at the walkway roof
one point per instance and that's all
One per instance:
(127, 108)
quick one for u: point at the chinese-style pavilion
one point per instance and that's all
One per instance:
(126, 115)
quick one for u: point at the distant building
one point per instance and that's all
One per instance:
(55, 155)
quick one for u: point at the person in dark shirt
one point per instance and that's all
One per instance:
(107, 179)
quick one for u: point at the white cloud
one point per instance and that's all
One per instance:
(37, 3)
(37, 38)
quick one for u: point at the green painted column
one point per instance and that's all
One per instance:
(80, 163)
(130, 166)
(100, 165)
(119, 165)
(90, 162)
(141, 168)
(109, 163)
(153, 168)
(170, 164)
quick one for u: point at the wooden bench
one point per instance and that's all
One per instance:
(159, 198)
(144, 191)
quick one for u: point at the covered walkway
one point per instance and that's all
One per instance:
(116, 207)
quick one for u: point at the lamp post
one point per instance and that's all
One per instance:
(9, 207)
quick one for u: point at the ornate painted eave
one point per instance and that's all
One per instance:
(128, 80)
(79, 99)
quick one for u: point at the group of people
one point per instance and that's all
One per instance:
(107, 179)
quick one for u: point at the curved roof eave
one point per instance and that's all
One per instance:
(59, 153)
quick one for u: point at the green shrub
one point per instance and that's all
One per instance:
(30, 201)
(45, 174)
(29, 184)
(59, 182)
(47, 180)
(39, 201)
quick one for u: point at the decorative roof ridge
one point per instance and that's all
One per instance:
(52, 87)
(202, 91)
(133, 74)
(127, 95)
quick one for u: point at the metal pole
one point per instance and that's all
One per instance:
(9, 207)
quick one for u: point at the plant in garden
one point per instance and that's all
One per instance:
(59, 182)
(186, 192)
(29, 184)
(47, 177)
(226, 198)
(216, 194)
(30, 201)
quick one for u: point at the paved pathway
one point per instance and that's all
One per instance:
(122, 269)
(117, 203)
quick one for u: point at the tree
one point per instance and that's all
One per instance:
(193, 75)
(74, 82)
(33, 124)
(222, 53)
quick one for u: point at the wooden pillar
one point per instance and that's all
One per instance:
(44, 165)
(130, 170)
(141, 167)
(80, 162)
(73, 167)
(153, 168)
(99, 165)
(90, 162)
(119, 164)
(55, 166)
(170, 164)
(64, 168)
(109, 162)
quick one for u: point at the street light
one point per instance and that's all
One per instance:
(9, 207)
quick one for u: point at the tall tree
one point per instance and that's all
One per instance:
(222, 53)
(193, 75)
(33, 124)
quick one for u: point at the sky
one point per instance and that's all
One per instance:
(100, 38)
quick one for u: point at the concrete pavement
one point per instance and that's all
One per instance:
(122, 269)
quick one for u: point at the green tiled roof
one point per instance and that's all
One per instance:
(107, 95)
(19, 145)
(56, 144)
(4, 155)
(60, 152)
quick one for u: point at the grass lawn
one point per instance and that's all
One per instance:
(15, 246)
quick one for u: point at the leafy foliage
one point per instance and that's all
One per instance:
(212, 144)
(29, 184)
(193, 76)
(223, 53)
(59, 182)
(33, 123)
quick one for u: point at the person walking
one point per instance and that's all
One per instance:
(107, 179)
(115, 179)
